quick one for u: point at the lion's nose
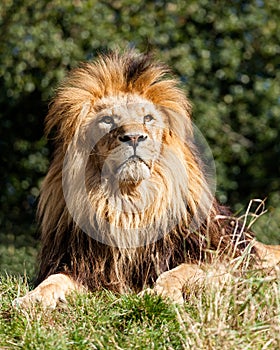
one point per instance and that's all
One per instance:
(133, 139)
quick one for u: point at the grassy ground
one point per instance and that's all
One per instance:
(238, 313)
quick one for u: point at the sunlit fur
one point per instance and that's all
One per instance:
(172, 210)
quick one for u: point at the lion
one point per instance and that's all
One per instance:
(126, 205)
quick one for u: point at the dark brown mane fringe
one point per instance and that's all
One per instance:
(95, 264)
(65, 247)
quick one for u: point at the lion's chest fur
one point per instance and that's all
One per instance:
(132, 217)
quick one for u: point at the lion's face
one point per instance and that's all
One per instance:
(126, 155)
(129, 131)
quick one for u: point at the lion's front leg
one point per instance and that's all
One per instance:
(49, 293)
(170, 283)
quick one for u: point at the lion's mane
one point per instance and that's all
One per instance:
(66, 248)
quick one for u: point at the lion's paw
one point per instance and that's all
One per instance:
(169, 288)
(146, 291)
(171, 284)
(49, 293)
(48, 297)
(166, 288)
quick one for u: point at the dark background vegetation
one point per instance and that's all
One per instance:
(225, 53)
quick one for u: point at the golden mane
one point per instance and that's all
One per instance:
(175, 209)
(113, 75)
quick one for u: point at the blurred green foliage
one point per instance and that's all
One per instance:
(226, 54)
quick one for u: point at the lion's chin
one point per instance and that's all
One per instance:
(133, 171)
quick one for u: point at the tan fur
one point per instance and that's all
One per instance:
(143, 218)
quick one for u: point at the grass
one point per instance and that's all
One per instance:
(240, 312)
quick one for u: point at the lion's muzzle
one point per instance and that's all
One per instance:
(133, 140)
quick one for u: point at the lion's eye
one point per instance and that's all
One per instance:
(148, 118)
(107, 120)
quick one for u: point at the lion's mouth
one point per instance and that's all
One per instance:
(135, 160)
(134, 170)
